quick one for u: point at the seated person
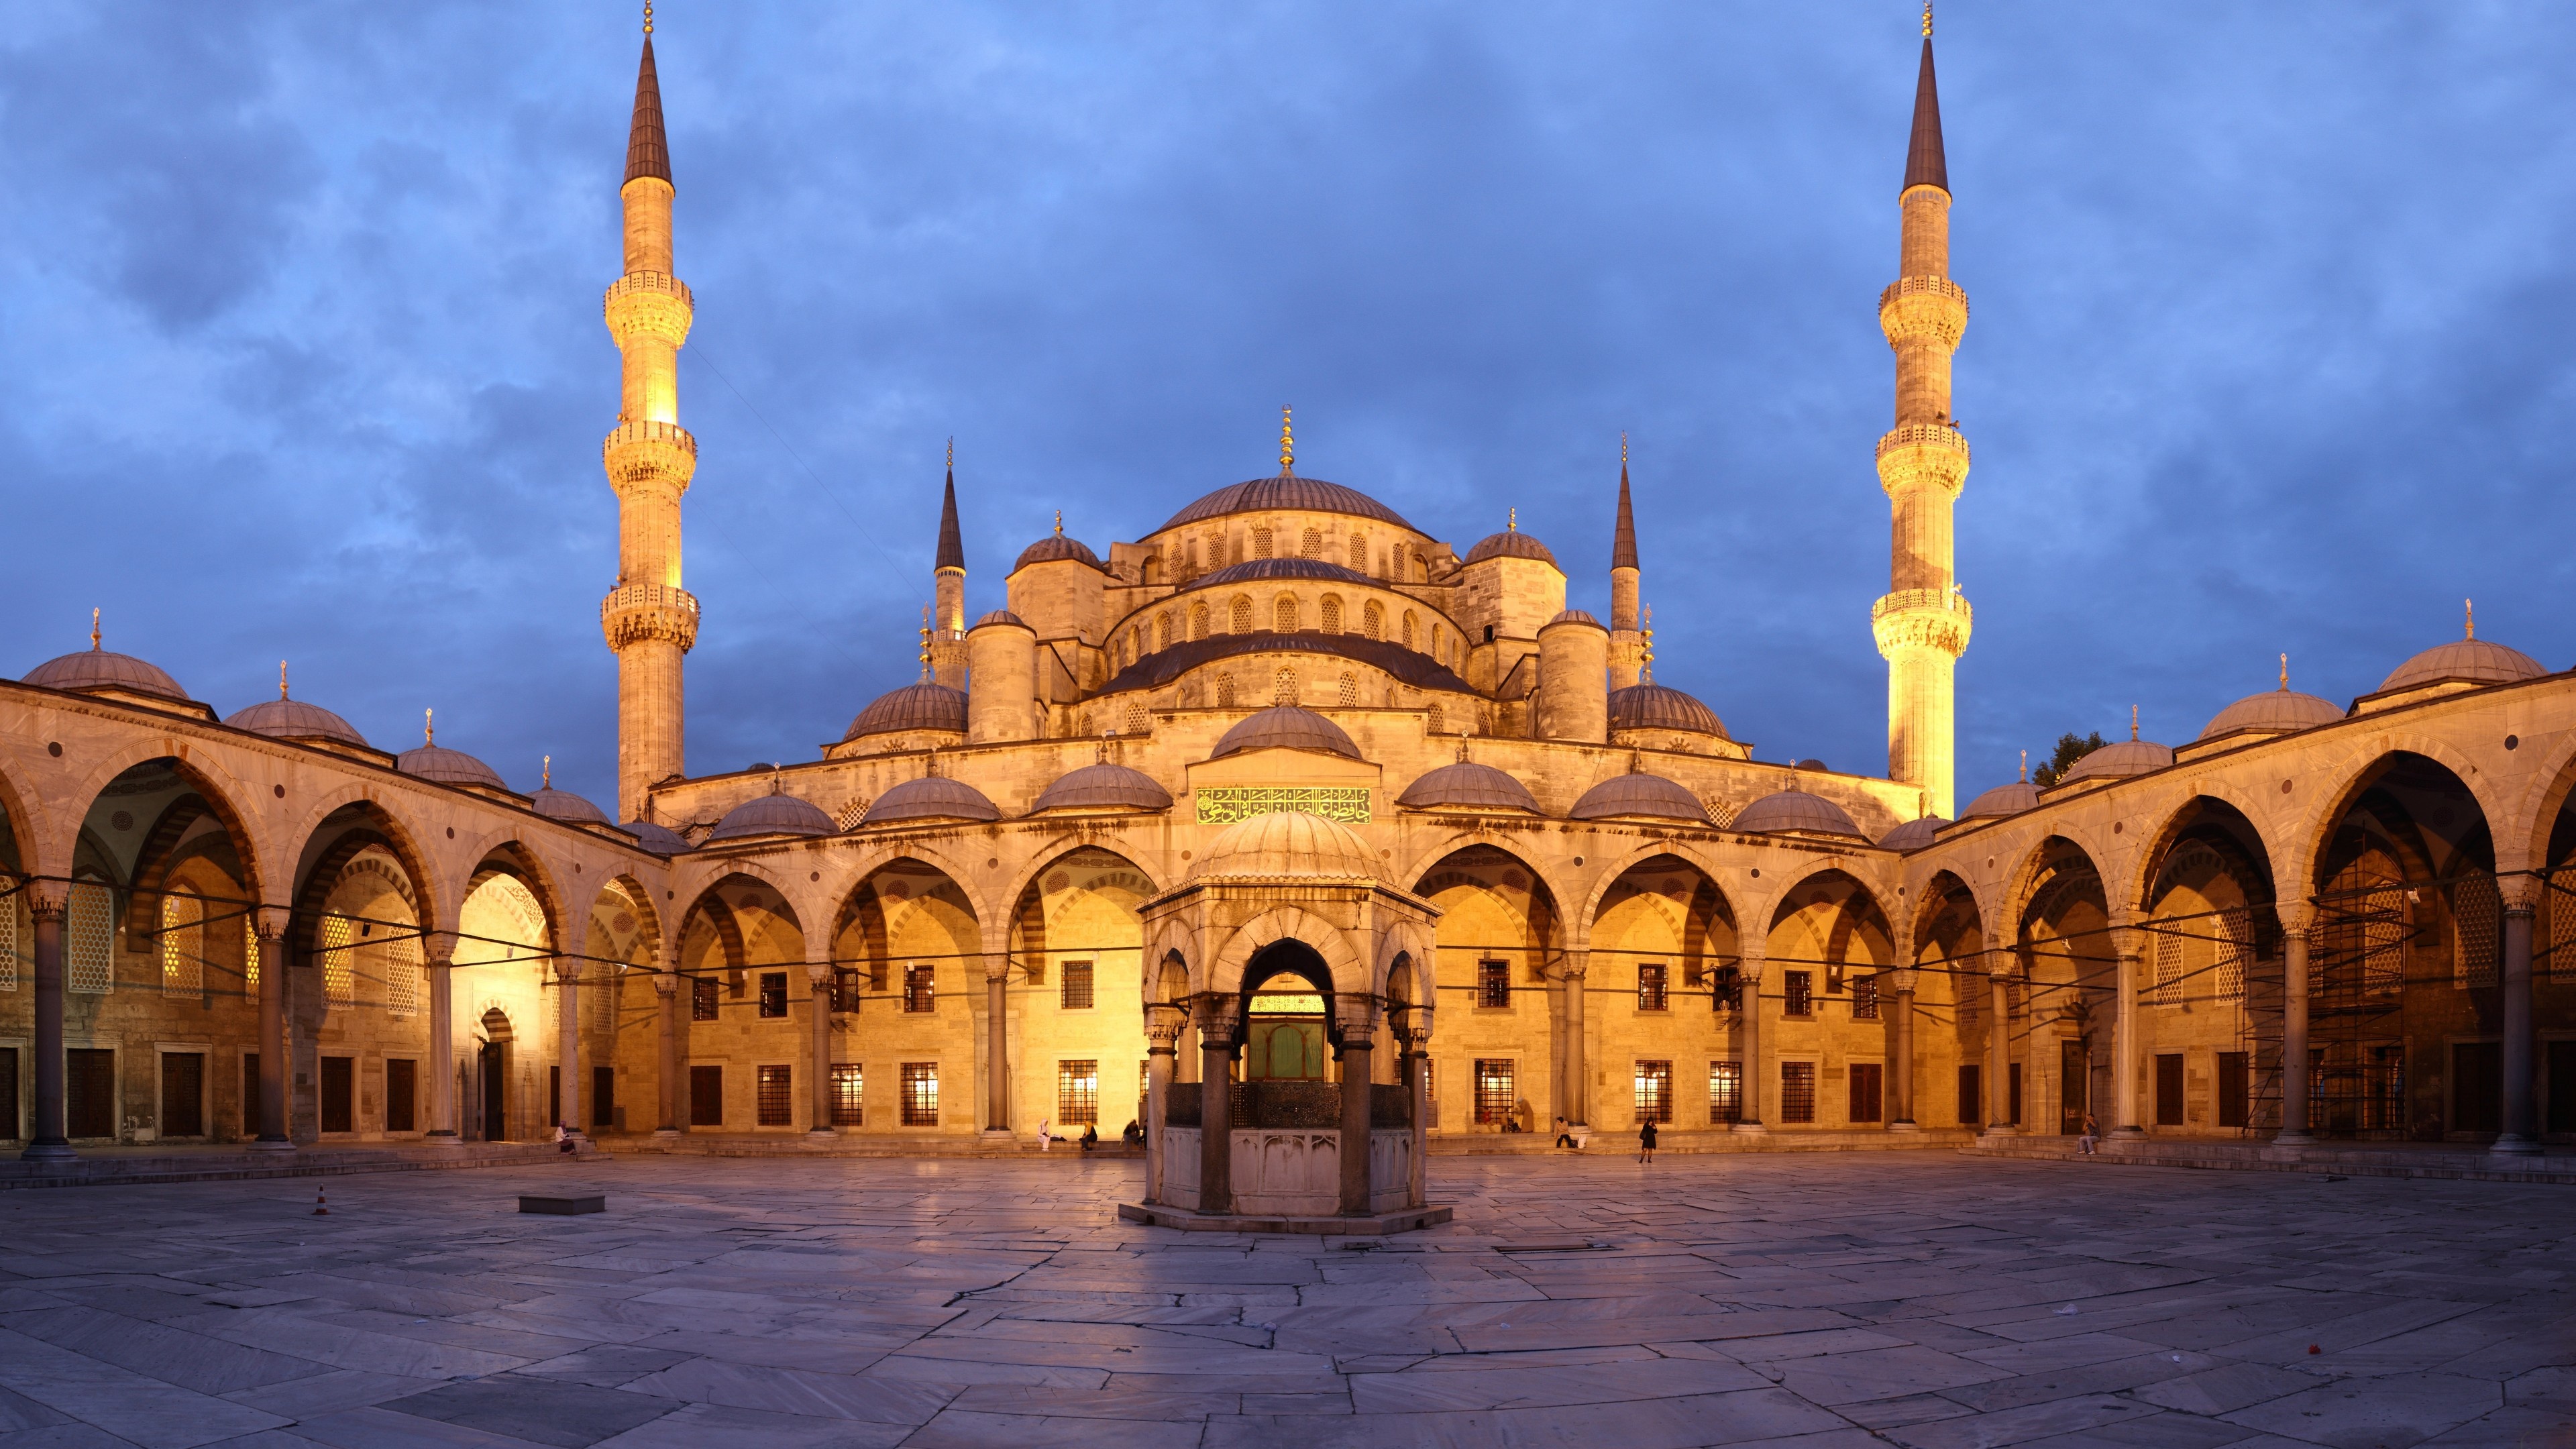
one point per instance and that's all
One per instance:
(1134, 1135)
(1090, 1135)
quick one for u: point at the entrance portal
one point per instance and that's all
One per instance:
(495, 1063)
(1283, 1037)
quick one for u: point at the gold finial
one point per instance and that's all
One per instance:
(2469, 604)
(1623, 447)
(2025, 767)
(1513, 523)
(2285, 673)
(1927, 18)
(1462, 752)
(648, 16)
(93, 631)
(925, 643)
(1059, 523)
(2133, 721)
(428, 727)
(1100, 753)
(281, 679)
(1287, 444)
(1646, 643)
(952, 455)
(546, 780)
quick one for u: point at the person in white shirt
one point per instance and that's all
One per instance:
(1046, 1134)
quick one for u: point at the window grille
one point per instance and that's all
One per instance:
(1077, 1093)
(1075, 985)
(1312, 545)
(9, 907)
(183, 964)
(1865, 997)
(1261, 543)
(1358, 554)
(1225, 691)
(1198, 621)
(849, 1098)
(1283, 687)
(401, 963)
(1331, 612)
(250, 951)
(1797, 1091)
(2169, 966)
(702, 998)
(2561, 936)
(1797, 993)
(2236, 943)
(1163, 630)
(1242, 616)
(1347, 690)
(1493, 984)
(1136, 719)
(1433, 722)
(773, 995)
(1494, 1096)
(2475, 906)
(1373, 620)
(89, 950)
(1725, 1093)
(921, 1094)
(777, 1104)
(1650, 987)
(919, 988)
(848, 989)
(1408, 628)
(1283, 614)
(1403, 569)
(1654, 1091)
(1727, 994)
(339, 961)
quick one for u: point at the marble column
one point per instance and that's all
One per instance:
(1900, 1069)
(275, 1066)
(1162, 1037)
(1998, 1055)
(1358, 1020)
(666, 990)
(997, 1050)
(819, 978)
(45, 1140)
(568, 1048)
(2129, 943)
(1576, 1104)
(1214, 1013)
(1749, 973)
(436, 952)
(2521, 1135)
(2294, 1029)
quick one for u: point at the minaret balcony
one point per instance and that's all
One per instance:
(1918, 308)
(1912, 619)
(1919, 455)
(635, 612)
(648, 455)
(651, 304)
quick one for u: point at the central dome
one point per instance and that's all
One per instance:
(1287, 843)
(1285, 727)
(1287, 491)
(1256, 570)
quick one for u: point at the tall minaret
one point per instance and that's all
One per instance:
(1627, 646)
(948, 577)
(1922, 624)
(649, 619)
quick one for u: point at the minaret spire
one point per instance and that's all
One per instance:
(945, 645)
(650, 621)
(1627, 648)
(1922, 624)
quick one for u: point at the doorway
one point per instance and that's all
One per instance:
(496, 1122)
(1286, 1018)
(2074, 1079)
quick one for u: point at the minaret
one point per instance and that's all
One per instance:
(1627, 647)
(649, 619)
(948, 574)
(1922, 623)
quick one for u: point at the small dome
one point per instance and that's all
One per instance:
(772, 815)
(2468, 661)
(1258, 570)
(1002, 616)
(923, 706)
(1573, 616)
(2118, 761)
(2274, 711)
(568, 807)
(1104, 787)
(1285, 493)
(657, 839)
(932, 797)
(293, 719)
(1816, 765)
(1511, 543)
(1055, 548)
(447, 767)
(1794, 810)
(2009, 799)
(1285, 727)
(1287, 843)
(1467, 785)
(96, 668)
(1913, 834)
(1639, 795)
(1658, 707)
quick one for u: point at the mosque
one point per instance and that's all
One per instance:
(1293, 810)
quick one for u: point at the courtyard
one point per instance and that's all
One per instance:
(1820, 1300)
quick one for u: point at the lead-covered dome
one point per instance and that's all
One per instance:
(104, 669)
(447, 767)
(776, 814)
(1467, 785)
(2118, 761)
(657, 839)
(1794, 811)
(1287, 843)
(293, 719)
(567, 807)
(1056, 548)
(1286, 492)
(1002, 616)
(2274, 711)
(1650, 795)
(1913, 834)
(932, 797)
(1285, 727)
(1572, 616)
(1267, 570)
(1661, 707)
(1510, 543)
(1103, 787)
(2010, 799)
(2464, 661)
(923, 706)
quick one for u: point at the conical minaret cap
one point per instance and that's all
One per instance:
(648, 152)
(1623, 543)
(1923, 162)
(952, 548)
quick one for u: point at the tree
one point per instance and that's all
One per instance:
(2069, 749)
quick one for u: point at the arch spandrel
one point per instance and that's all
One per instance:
(1838, 915)
(1351, 972)
(1600, 877)
(31, 828)
(2343, 788)
(910, 909)
(218, 788)
(1046, 856)
(2548, 791)
(400, 830)
(845, 875)
(1450, 840)
(1664, 906)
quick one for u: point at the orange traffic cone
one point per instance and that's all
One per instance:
(321, 1204)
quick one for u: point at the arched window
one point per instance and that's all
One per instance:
(183, 945)
(1225, 691)
(1350, 690)
(1408, 628)
(1359, 553)
(1373, 620)
(1242, 614)
(1283, 687)
(1163, 631)
(1332, 613)
(1261, 543)
(1193, 564)
(1284, 614)
(1313, 545)
(1436, 643)
(1198, 621)
(89, 947)
(1403, 570)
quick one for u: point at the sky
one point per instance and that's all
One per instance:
(301, 303)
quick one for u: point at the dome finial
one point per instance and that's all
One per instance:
(2025, 767)
(925, 643)
(428, 728)
(1927, 18)
(1059, 523)
(2133, 721)
(2471, 605)
(546, 776)
(1512, 523)
(2285, 674)
(1462, 752)
(648, 17)
(93, 631)
(281, 679)
(1646, 643)
(1287, 444)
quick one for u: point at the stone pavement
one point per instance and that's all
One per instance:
(1918, 1299)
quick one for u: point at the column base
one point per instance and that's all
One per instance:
(2128, 1134)
(1999, 1131)
(822, 1134)
(1749, 1129)
(281, 1144)
(2292, 1137)
(48, 1149)
(1904, 1126)
(2513, 1145)
(666, 1134)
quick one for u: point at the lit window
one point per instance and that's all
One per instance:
(1797, 1091)
(847, 989)
(1797, 993)
(339, 961)
(89, 960)
(1494, 1095)
(1654, 1082)
(777, 1101)
(1075, 986)
(702, 998)
(399, 961)
(1865, 997)
(1650, 988)
(1725, 1093)
(921, 1094)
(919, 994)
(1077, 1093)
(250, 951)
(848, 1098)
(1493, 984)
(773, 995)
(183, 967)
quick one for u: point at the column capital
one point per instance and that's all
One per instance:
(45, 898)
(269, 922)
(1212, 1012)
(569, 968)
(997, 968)
(666, 983)
(1900, 979)
(818, 975)
(1163, 1026)
(1357, 1017)
(2521, 891)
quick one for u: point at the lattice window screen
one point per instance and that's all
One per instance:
(339, 966)
(1283, 687)
(1331, 612)
(1312, 546)
(250, 952)
(2169, 966)
(2475, 906)
(2561, 939)
(9, 909)
(1283, 614)
(2236, 927)
(400, 962)
(89, 952)
(183, 945)
(1242, 616)
(1349, 695)
(1358, 554)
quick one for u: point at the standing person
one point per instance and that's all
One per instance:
(2085, 1140)
(1646, 1143)
(1046, 1133)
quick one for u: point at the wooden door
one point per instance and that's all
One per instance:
(706, 1096)
(2074, 1078)
(2169, 1089)
(496, 1122)
(89, 1093)
(183, 1094)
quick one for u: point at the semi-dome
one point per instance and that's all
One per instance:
(1260, 570)
(1913, 834)
(1104, 787)
(1639, 795)
(776, 814)
(447, 767)
(1001, 616)
(1286, 492)
(567, 807)
(104, 669)
(1285, 727)
(1055, 548)
(2118, 761)
(1794, 810)
(1573, 616)
(2274, 711)
(923, 706)
(658, 839)
(1661, 707)
(2464, 661)
(1467, 785)
(932, 797)
(2010, 799)
(293, 719)
(1510, 543)
(1287, 843)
